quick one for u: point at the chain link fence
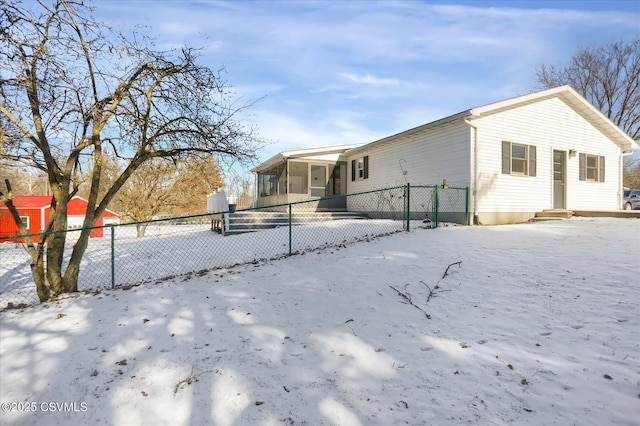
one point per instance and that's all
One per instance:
(160, 250)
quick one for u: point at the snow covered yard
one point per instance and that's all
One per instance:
(169, 251)
(539, 325)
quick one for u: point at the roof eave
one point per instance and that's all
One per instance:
(301, 153)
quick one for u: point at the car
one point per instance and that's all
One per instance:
(631, 199)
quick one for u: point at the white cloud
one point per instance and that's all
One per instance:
(178, 28)
(369, 79)
(349, 72)
(288, 132)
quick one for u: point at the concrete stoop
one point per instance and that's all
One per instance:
(554, 214)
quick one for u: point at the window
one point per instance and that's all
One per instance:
(360, 168)
(25, 221)
(591, 168)
(518, 159)
(268, 180)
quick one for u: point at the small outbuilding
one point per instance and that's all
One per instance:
(34, 213)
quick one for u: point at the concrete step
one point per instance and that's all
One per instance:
(555, 213)
(612, 213)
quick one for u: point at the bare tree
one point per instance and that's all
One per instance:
(241, 189)
(608, 76)
(162, 188)
(196, 177)
(631, 173)
(146, 193)
(28, 181)
(71, 87)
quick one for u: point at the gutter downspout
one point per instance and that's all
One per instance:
(475, 171)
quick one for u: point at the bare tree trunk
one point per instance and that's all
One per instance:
(141, 229)
(159, 107)
(37, 270)
(56, 242)
(70, 279)
(36, 253)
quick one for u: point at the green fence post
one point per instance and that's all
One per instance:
(404, 207)
(113, 257)
(436, 206)
(290, 229)
(466, 207)
(408, 204)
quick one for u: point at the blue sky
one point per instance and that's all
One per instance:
(342, 72)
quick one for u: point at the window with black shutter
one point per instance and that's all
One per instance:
(591, 168)
(518, 159)
(360, 168)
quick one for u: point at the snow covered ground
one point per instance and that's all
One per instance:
(539, 325)
(169, 251)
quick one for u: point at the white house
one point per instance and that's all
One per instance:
(546, 150)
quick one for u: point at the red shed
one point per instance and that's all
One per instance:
(34, 212)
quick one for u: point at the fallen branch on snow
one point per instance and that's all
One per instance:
(446, 272)
(407, 297)
(433, 292)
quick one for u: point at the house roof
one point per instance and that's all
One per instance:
(572, 98)
(39, 202)
(311, 153)
(565, 93)
(31, 201)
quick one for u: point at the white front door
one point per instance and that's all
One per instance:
(559, 180)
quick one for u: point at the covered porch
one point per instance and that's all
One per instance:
(304, 175)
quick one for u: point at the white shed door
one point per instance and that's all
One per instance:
(74, 222)
(112, 221)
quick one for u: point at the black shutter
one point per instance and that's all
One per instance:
(353, 170)
(532, 160)
(366, 167)
(506, 158)
(583, 166)
(601, 169)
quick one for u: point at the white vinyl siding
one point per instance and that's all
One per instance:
(549, 124)
(427, 158)
(423, 158)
